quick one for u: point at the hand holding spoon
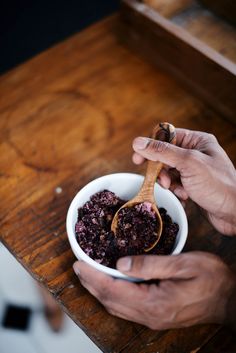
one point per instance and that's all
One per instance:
(164, 132)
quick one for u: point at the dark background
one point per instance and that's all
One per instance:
(28, 27)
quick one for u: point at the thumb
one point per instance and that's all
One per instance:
(156, 150)
(156, 266)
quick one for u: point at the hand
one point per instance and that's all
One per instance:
(194, 288)
(198, 168)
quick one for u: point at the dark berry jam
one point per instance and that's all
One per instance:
(137, 227)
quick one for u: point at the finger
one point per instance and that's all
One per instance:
(168, 178)
(175, 179)
(198, 140)
(164, 179)
(173, 182)
(94, 280)
(202, 141)
(137, 158)
(183, 203)
(187, 138)
(154, 150)
(179, 192)
(105, 287)
(157, 267)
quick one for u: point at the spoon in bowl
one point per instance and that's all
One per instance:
(164, 132)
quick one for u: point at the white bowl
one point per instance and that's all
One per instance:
(126, 186)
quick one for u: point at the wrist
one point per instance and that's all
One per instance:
(225, 219)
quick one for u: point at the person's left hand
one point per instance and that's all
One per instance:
(194, 288)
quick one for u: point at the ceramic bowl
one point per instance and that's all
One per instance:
(126, 186)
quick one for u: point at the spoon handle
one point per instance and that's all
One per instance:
(163, 132)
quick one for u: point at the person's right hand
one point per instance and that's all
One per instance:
(197, 167)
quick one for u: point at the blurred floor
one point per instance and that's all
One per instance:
(28, 27)
(19, 289)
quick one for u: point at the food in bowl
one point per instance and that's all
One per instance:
(138, 225)
(94, 235)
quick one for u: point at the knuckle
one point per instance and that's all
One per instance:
(188, 154)
(212, 137)
(114, 312)
(145, 272)
(191, 269)
(155, 325)
(192, 158)
(157, 146)
(82, 282)
(180, 263)
(189, 264)
(110, 311)
(216, 262)
(141, 265)
(138, 263)
(104, 292)
(208, 139)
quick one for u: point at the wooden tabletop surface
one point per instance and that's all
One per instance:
(66, 117)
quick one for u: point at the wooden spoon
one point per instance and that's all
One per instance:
(164, 132)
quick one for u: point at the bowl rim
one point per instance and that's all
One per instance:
(80, 254)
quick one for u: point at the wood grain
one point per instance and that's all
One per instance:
(68, 116)
(209, 29)
(171, 48)
(201, 22)
(224, 341)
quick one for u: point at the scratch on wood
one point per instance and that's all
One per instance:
(74, 93)
(19, 153)
(110, 123)
(40, 169)
(56, 293)
(123, 349)
(54, 231)
(5, 175)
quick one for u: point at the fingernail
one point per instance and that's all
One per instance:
(124, 264)
(140, 143)
(76, 269)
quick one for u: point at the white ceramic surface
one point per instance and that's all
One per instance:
(126, 186)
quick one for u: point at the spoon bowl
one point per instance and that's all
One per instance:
(164, 132)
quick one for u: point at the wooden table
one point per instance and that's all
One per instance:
(68, 116)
